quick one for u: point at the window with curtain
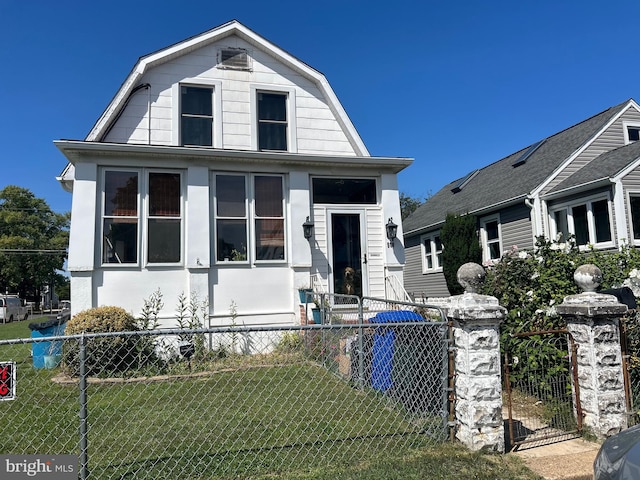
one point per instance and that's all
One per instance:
(164, 223)
(120, 217)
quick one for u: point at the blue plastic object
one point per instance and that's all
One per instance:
(383, 347)
(39, 350)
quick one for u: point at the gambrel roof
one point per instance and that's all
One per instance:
(516, 177)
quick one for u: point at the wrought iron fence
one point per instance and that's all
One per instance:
(229, 401)
(630, 346)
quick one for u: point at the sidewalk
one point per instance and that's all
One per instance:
(568, 460)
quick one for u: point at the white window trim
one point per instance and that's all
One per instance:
(292, 128)
(631, 193)
(484, 242)
(216, 85)
(625, 130)
(250, 218)
(142, 217)
(431, 236)
(588, 201)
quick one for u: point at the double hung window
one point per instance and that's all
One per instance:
(129, 193)
(249, 210)
(272, 121)
(588, 220)
(490, 234)
(431, 253)
(196, 116)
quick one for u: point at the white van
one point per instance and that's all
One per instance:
(12, 308)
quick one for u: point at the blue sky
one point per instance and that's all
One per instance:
(454, 85)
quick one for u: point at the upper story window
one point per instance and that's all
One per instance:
(249, 214)
(589, 220)
(490, 236)
(196, 115)
(431, 253)
(272, 121)
(122, 217)
(634, 209)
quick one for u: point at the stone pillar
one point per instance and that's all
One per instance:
(593, 319)
(478, 385)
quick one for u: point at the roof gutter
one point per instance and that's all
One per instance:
(578, 188)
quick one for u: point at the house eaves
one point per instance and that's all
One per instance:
(76, 150)
(233, 27)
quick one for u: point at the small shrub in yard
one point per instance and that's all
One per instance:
(105, 355)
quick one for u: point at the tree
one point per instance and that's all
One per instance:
(33, 242)
(408, 204)
(460, 244)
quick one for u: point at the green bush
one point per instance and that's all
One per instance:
(104, 355)
(459, 237)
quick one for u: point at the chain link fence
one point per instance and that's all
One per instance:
(232, 401)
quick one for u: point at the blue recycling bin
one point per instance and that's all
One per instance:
(384, 346)
(39, 350)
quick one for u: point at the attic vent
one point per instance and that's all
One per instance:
(460, 184)
(527, 153)
(236, 58)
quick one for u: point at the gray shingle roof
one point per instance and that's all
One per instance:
(501, 182)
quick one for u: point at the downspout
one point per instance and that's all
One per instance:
(126, 102)
(530, 203)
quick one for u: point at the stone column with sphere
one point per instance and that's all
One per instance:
(478, 385)
(593, 319)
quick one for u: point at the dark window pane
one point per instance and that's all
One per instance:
(268, 196)
(272, 106)
(121, 193)
(232, 240)
(635, 216)
(494, 250)
(197, 131)
(164, 241)
(634, 134)
(230, 195)
(164, 194)
(427, 246)
(580, 224)
(601, 219)
(196, 101)
(438, 243)
(346, 191)
(272, 136)
(120, 241)
(269, 239)
(562, 226)
(492, 231)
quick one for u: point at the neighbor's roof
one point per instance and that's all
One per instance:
(505, 181)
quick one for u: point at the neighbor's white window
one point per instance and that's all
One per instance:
(431, 253)
(490, 236)
(589, 220)
(249, 218)
(631, 132)
(634, 213)
(128, 193)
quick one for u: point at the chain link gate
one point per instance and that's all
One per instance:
(233, 401)
(541, 388)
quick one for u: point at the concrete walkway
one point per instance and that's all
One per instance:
(568, 460)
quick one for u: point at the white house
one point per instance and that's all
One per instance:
(199, 176)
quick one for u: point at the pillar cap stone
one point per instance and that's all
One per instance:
(471, 276)
(588, 277)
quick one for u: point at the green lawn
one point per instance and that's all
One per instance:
(287, 421)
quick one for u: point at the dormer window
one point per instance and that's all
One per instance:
(633, 133)
(272, 121)
(196, 116)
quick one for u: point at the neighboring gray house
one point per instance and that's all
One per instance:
(584, 181)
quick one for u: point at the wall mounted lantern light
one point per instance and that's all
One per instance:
(392, 231)
(307, 228)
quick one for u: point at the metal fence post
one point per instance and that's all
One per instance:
(84, 456)
(360, 346)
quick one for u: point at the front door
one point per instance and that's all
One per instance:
(348, 253)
